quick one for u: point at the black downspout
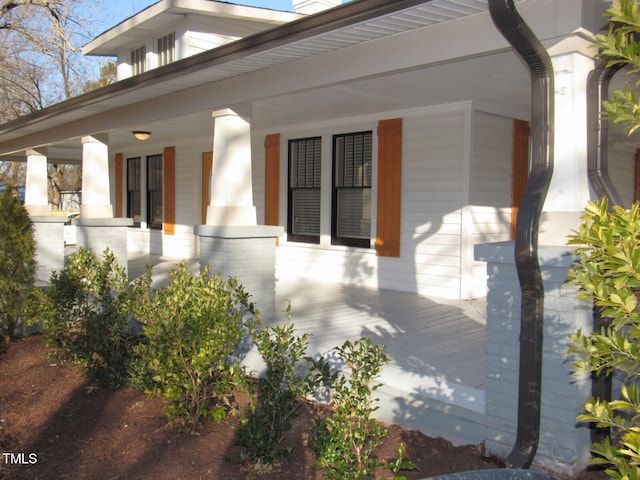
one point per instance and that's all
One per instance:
(525, 43)
(597, 141)
(598, 133)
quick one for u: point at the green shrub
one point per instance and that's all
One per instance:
(608, 272)
(345, 439)
(87, 323)
(17, 265)
(190, 329)
(278, 396)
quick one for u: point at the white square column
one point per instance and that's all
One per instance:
(96, 190)
(568, 191)
(231, 194)
(36, 199)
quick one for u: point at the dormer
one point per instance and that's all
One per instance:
(171, 30)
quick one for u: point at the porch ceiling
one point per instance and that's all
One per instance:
(352, 24)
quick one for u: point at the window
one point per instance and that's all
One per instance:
(352, 165)
(304, 190)
(155, 209)
(138, 60)
(166, 49)
(133, 190)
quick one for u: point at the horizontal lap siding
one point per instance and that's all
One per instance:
(490, 187)
(432, 195)
(187, 201)
(432, 201)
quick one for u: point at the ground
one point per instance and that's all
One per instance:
(77, 433)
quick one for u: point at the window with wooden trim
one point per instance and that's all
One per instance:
(155, 184)
(134, 192)
(138, 60)
(351, 211)
(305, 162)
(166, 49)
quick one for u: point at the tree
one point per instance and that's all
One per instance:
(41, 64)
(18, 266)
(608, 273)
(621, 47)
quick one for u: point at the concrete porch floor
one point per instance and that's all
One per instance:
(436, 375)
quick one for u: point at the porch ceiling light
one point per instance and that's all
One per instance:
(140, 135)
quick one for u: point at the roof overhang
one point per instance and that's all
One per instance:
(348, 27)
(165, 13)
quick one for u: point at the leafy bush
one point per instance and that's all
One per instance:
(278, 396)
(344, 440)
(87, 319)
(191, 328)
(608, 272)
(18, 266)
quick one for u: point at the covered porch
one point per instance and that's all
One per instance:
(436, 346)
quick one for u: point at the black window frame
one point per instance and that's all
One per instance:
(155, 191)
(134, 190)
(300, 179)
(345, 178)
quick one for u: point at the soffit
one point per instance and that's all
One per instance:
(346, 26)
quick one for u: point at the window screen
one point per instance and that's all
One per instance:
(166, 49)
(304, 190)
(352, 163)
(138, 60)
(155, 209)
(134, 210)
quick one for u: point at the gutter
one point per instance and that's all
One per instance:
(528, 47)
(598, 133)
(597, 142)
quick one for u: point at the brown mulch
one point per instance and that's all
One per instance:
(75, 433)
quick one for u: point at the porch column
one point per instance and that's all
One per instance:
(564, 444)
(36, 200)
(569, 188)
(231, 194)
(48, 231)
(231, 242)
(97, 229)
(96, 197)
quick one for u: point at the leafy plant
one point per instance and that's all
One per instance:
(278, 396)
(344, 440)
(85, 320)
(620, 47)
(18, 266)
(190, 328)
(608, 272)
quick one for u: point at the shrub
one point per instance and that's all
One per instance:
(191, 328)
(608, 272)
(345, 439)
(18, 266)
(278, 396)
(87, 323)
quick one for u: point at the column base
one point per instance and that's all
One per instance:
(247, 253)
(231, 215)
(96, 211)
(97, 234)
(48, 233)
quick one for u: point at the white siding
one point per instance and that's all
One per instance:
(432, 200)
(188, 199)
(490, 196)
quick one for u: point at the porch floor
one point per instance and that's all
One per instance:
(436, 346)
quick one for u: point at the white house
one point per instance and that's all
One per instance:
(376, 142)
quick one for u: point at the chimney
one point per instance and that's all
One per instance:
(309, 7)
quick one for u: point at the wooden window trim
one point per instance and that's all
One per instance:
(389, 209)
